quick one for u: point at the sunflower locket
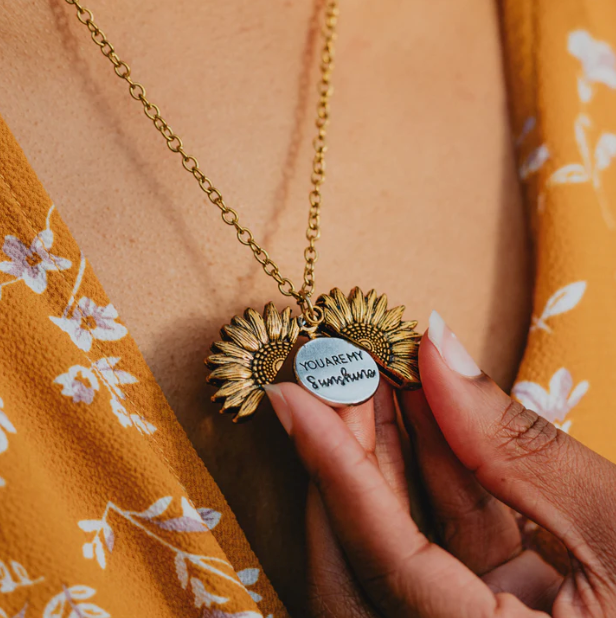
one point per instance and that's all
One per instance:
(352, 342)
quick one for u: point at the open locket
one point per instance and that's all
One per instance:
(357, 340)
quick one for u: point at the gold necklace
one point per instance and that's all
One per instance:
(351, 338)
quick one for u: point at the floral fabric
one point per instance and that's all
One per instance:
(105, 509)
(561, 67)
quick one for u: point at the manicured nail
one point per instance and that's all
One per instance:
(451, 350)
(280, 405)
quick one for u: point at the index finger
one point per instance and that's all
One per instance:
(401, 571)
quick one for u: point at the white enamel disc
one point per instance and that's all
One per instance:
(336, 371)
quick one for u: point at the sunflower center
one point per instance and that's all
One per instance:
(268, 361)
(368, 337)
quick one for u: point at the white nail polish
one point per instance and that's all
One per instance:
(449, 347)
(436, 330)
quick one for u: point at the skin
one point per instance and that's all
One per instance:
(480, 454)
(421, 199)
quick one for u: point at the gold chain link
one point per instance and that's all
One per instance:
(190, 163)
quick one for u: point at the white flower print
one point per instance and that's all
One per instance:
(17, 579)
(90, 321)
(534, 161)
(121, 413)
(31, 264)
(537, 158)
(205, 598)
(20, 614)
(563, 300)
(72, 600)
(564, 426)
(210, 517)
(249, 577)
(86, 322)
(605, 150)
(114, 378)
(529, 124)
(555, 403)
(130, 420)
(150, 522)
(80, 383)
(591, 166)
(6, 427)
(598, 62)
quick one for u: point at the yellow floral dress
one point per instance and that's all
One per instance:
(105, 508)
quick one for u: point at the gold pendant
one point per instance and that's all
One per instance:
(255, 347)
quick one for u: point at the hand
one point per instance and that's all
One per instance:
(478, 451)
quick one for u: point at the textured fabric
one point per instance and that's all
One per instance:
(561, 69)
(562, 75)
(105, 508)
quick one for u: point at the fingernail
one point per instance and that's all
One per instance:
(451, 350)
(280, 405)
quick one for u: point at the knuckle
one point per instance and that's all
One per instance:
(508, 606)
(523, 433)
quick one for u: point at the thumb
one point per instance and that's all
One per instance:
(517, 455)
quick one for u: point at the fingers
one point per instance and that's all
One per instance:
(529, 579)
(360, 421)
(401, 572)
(388, 447)
(517, 455)
(474, 526)
(332, 588)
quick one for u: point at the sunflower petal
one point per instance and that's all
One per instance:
(230, 372)
(236, 400)
(273, 323)
(404, 348)
(343, 305)
(408, 373)
(402, 367)
(379, 310)
(231, 349)
(249, 406)
(285, 318)
(392, 318)
(293, 333)
(257, 324)
(402, 334)
(358, 305)
(238, 320)
(242, 337)
(333, 316)
(223, 359)
(231, 387)
(370, 302)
